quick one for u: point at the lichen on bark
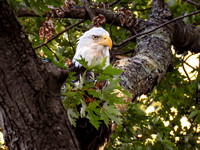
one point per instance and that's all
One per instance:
(150, 63)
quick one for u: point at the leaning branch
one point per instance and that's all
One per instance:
(57, 35)
(113, 3)
(80, 12)
(193, 3)
(160, 26)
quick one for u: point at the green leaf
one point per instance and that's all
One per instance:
(83, 109)
(193, 113)
(94, 119)
(116, 119)
(72, 116)
(105, 117)
(27, 3)
(111, 109)
(112, 112)
(94, 93)
(112, 71)
(83, 62)
(94, 106)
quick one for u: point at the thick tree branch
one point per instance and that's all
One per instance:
(87, 6)
(80, 12)
(152, 59)
(184, 37)
(181, 24)
(31, 111)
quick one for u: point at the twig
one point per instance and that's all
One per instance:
(112, 24)
(122, 45)
(187, 64)
(142, 9)
(62, 23)
(127, 52)
(114, 51)
(113, 3)
(166, 23)
(195, 74)
(185, 72)
(52, 52)
(69, 40)
(131, 132)
(192, 2)
(57, 35)
(198, 88)
(188, 57)
(125, 6)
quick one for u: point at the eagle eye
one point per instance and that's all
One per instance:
(95, 37)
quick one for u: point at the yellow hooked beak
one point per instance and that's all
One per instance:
(106, 41)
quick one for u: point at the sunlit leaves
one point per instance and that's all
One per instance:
(93, 114)
(174, 125)
(135, 126)
(96, 102)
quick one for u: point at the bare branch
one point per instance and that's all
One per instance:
(126, 5)
(70, 43)
(187, 64)
(192, 2)
(52, 52)
(164, 24)
(57, 35)
(81, 13)
(186, 72)
(142, 9)
(113, 3)
(127, 52)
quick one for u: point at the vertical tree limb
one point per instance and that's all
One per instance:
(31, 111)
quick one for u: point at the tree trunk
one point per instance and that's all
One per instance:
(31, 110)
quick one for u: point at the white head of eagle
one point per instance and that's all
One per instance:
(93, 44)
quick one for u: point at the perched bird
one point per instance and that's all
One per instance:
(93, 44)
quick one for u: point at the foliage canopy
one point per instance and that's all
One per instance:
(174, 119)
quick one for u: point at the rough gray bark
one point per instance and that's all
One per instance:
(31, 110)
(189, 39)
(153, 55)
(80, 12)
(185, 37)
(149, 65)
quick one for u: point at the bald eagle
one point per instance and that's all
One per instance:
(93, 44)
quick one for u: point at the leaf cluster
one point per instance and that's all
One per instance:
(83, 98)
(172, 99)
(167, 118)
